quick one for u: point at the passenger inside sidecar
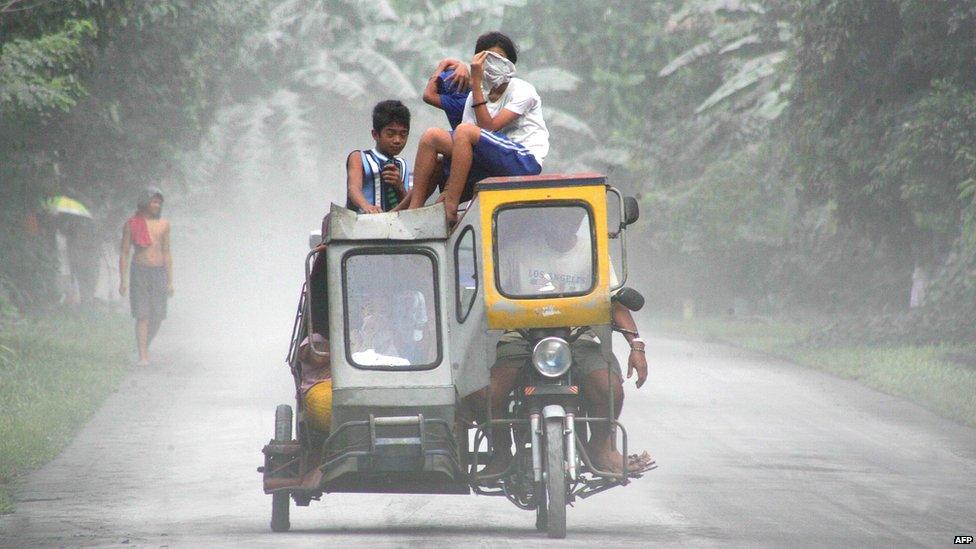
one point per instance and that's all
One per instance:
(388, 317)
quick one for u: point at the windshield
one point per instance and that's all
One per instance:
(391, 310)
(544, 251)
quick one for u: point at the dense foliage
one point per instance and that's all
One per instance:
(791, 154)
(788, 154)
(99, 98)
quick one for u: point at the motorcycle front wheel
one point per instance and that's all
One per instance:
(555, 481)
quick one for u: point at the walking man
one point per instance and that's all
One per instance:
(151, 280)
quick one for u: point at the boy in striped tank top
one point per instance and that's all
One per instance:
(377, 179)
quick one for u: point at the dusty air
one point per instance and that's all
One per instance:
(487, 272)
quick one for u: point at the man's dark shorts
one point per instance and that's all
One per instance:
(494, 155)
(587, 357)
(148, 292)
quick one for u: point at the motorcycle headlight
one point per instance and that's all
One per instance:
(552, 357)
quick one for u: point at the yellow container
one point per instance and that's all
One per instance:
(318, 405)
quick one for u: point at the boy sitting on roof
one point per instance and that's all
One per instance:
(377, 179)
(502, 131)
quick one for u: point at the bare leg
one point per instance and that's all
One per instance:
(596, 390)
(154, 325)
(466, 136)
(502, 381)
(142, 339)
(434, 141)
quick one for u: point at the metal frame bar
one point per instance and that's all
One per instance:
(510, 422)
(373, 422)
(581, 448)
(622, 233)
(308, 291)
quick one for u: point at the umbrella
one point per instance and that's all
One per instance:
(64, 205)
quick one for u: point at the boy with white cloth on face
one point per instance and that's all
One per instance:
(502, 131)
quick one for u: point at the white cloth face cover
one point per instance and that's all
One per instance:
(498, 71)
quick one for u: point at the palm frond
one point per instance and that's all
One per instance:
(752, 71)
(695, 9)
(376, 10)
(552, 79)
(458, 8)
(562, 119)
(384, 71)
(736, 45)
(326, 75)
(687, 57)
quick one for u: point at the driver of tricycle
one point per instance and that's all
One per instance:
(559, 239)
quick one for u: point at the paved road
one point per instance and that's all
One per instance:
(752, 452)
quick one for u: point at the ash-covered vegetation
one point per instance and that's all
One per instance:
(790, 156)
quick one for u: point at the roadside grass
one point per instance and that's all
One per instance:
(54, 373)
(932, 376)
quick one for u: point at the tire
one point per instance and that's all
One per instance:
(280, 502)
(283, 422)
(280, 509)
(555, 479)
(541, 510)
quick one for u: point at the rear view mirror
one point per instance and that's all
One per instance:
(630, 298)
(631, 210)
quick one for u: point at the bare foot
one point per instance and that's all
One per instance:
(608, 459)
(143, 362)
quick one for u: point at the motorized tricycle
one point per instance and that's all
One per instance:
(415, 311)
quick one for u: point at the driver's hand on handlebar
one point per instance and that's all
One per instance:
(637, 362)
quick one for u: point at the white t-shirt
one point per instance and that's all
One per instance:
(539, 269)
(546, 270)
(529, 129)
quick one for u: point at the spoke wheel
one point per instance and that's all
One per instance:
(280, 501)
(555, 479)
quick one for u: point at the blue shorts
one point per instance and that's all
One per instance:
(496, 156)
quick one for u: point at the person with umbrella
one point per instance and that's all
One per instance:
(81, 250)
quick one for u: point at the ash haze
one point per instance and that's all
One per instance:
(806, 249)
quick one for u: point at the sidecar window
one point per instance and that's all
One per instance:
(391, 313)
(544, 250)
(466, 273)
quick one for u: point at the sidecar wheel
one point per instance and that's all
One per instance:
(283, 422)
(555, 478)
(280, 510)
(281, 502)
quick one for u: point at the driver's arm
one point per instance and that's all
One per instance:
(636, 361)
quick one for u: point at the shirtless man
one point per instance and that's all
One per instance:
(152, 269)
